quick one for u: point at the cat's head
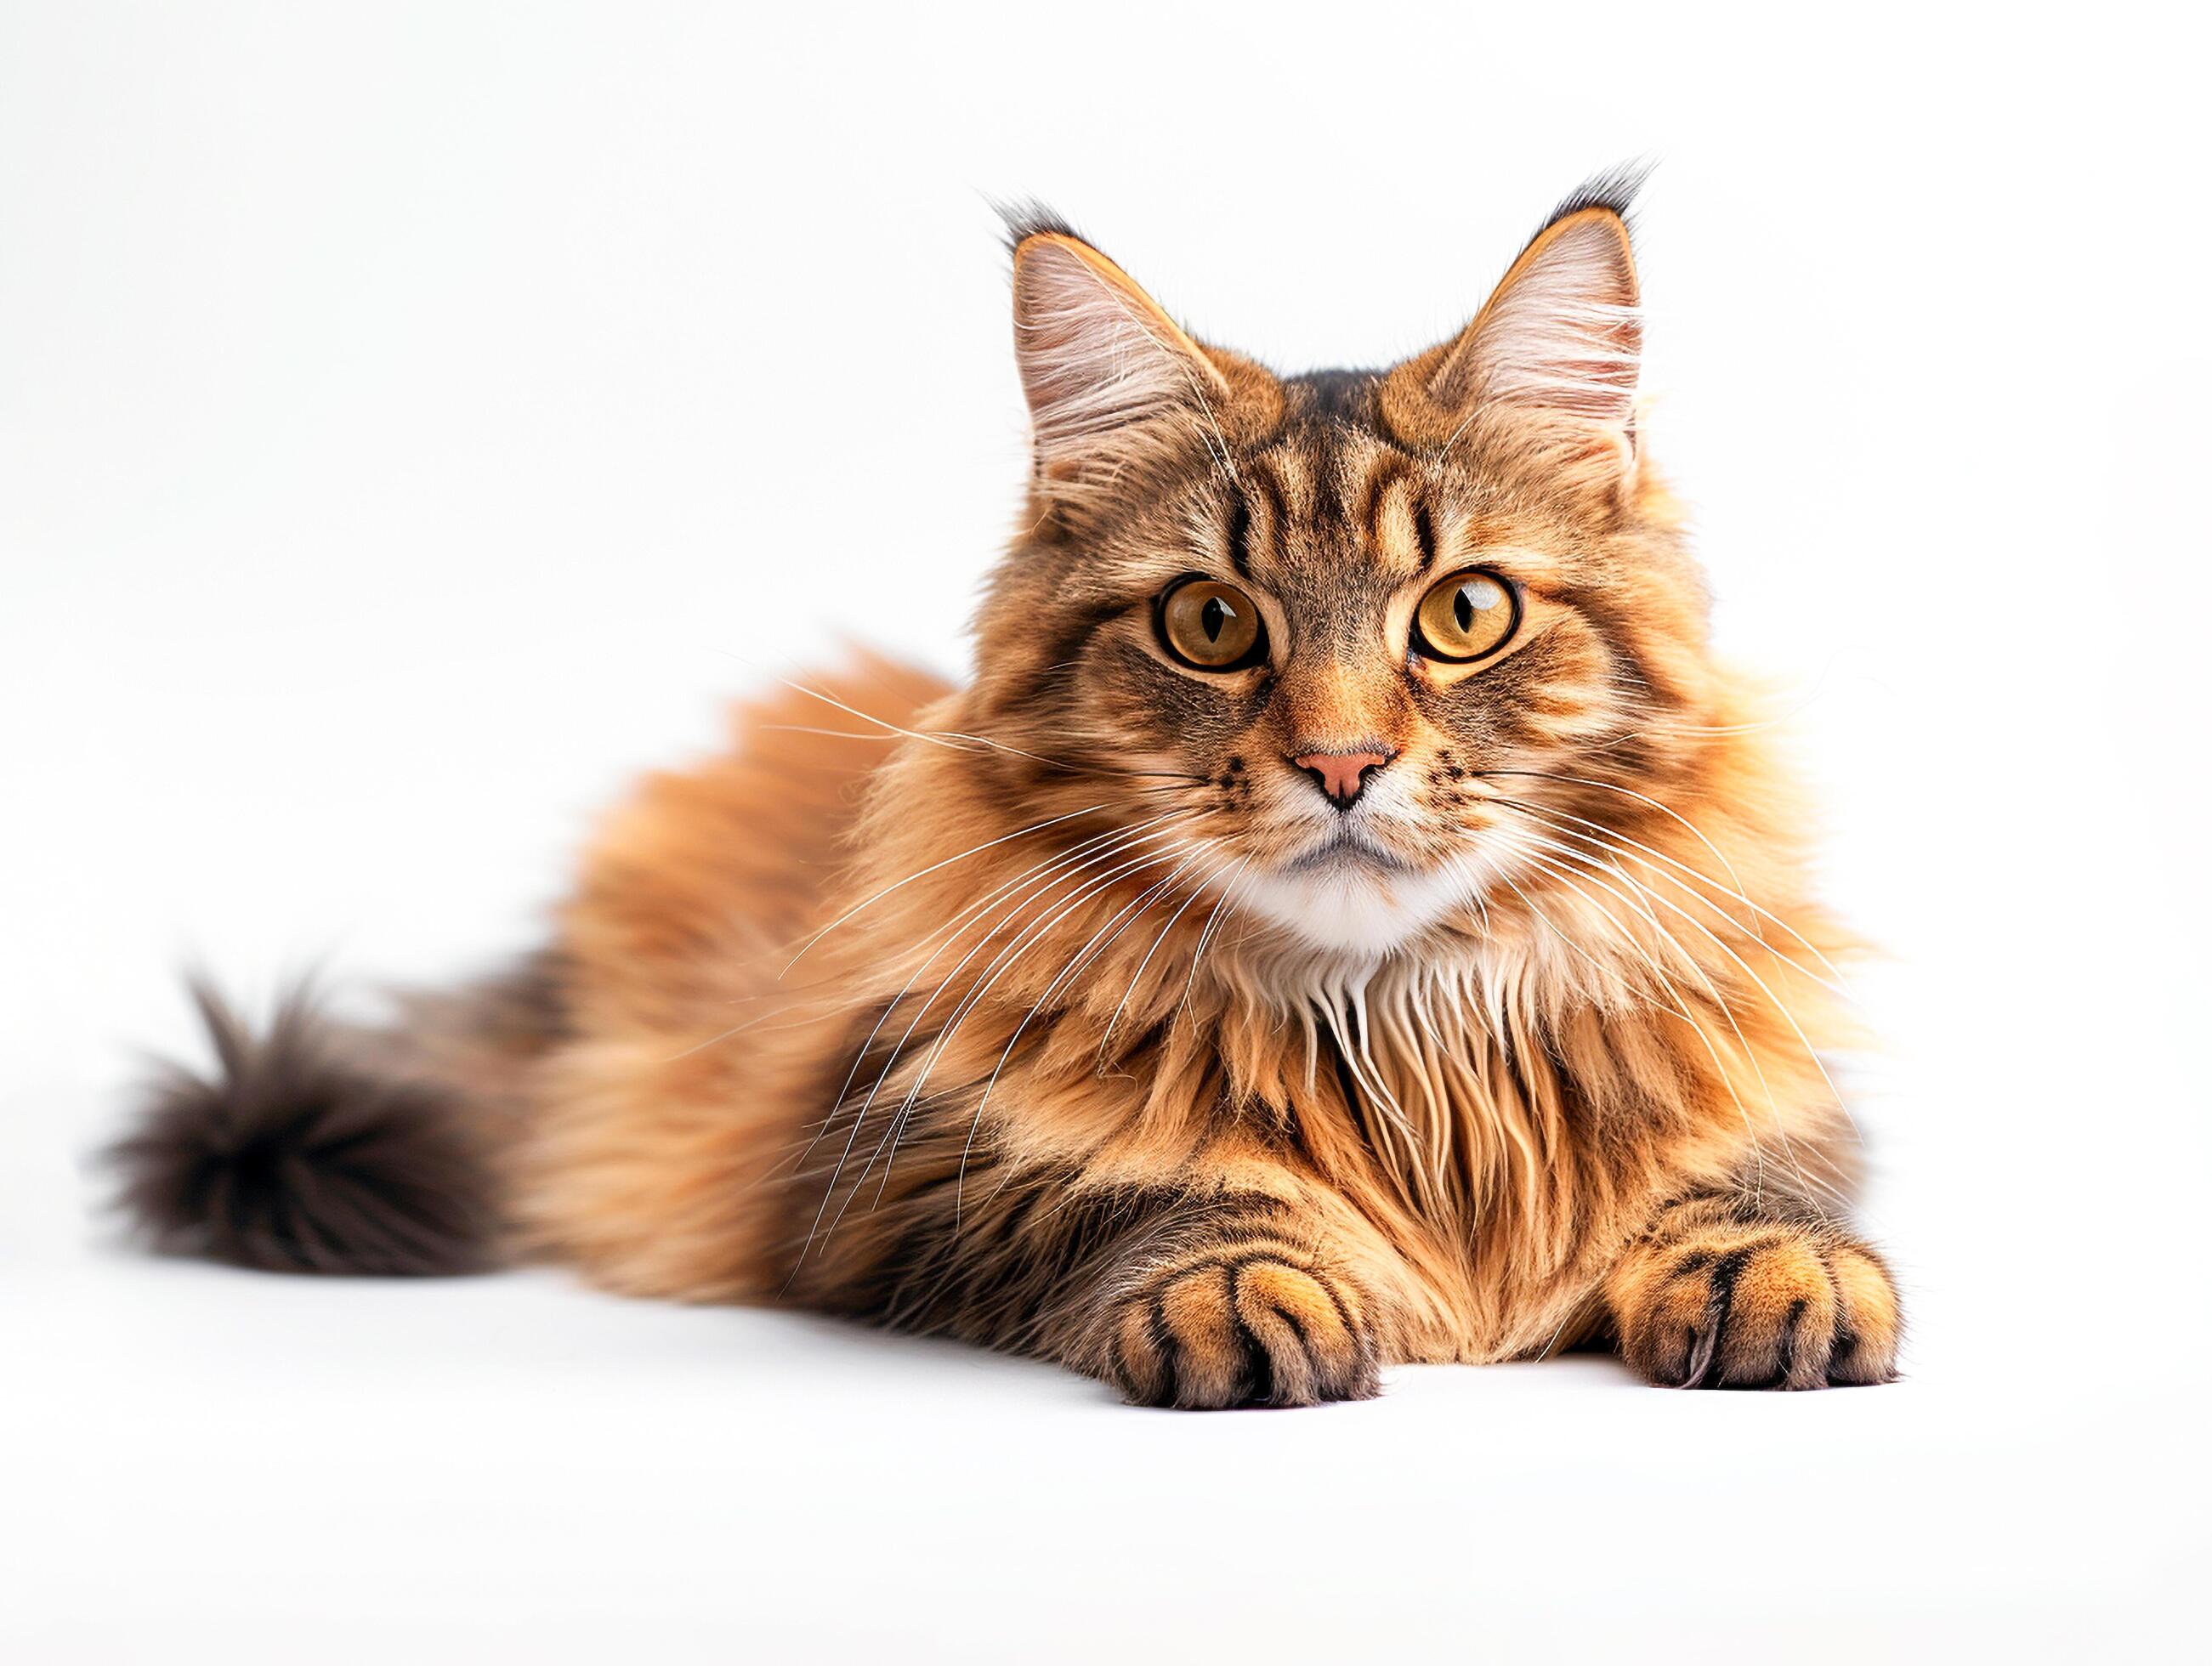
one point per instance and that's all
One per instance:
(1349, 634)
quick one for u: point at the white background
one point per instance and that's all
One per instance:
(414, 419)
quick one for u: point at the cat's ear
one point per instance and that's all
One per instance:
(1108, 374)
(1552, 359)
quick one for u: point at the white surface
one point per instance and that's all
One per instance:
(412, 420)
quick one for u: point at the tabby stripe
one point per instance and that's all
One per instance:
(1258, 1364)
(1240, 536)
(1374, 495)
(1269, 490)
(1167, 1352)
(1786, 1366)
(1242, 1253)
(1725, 1273)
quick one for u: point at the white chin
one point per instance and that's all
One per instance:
(1352, 909)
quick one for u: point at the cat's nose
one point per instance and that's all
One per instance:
(1342, 776)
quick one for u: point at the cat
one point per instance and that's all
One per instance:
(1349, 920)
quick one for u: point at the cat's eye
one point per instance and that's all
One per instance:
(1468, 617)
(1210, 626)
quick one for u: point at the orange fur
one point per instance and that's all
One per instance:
(1466, 1141)
(1060, 1012)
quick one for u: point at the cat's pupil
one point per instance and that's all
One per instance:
(1211, 617)
(1463, 609)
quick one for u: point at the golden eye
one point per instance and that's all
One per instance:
(1211, 627)
(1468, 615)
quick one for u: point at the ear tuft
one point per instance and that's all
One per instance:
(1615, 191)
(1025, 217)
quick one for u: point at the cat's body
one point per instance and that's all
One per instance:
(1258, 975)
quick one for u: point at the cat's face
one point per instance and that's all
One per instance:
(1349, 637)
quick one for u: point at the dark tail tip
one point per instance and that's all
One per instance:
(296, 1156)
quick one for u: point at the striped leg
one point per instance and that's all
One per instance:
(1236, 1301)
(1724, 1291)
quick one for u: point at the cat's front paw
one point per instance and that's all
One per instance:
(1757, 1307)
(1257, 1331)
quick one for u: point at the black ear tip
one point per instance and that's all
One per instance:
(1025, 217)
(1615, 191)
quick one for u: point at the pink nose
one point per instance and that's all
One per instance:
(1340, 775)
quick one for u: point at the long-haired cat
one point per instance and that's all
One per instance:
(1350, 919)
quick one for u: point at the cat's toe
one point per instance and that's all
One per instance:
(1773, 1308)
(1258, 1331)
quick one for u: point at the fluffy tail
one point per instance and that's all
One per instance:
(317, 1147)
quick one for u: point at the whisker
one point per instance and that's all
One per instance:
(1118, 839)
(898, 1049)
(1005, 838)
(946, 737)
(1129, 912)
(1609, 786)
(1135, 978)
(968, 1004)
(1205, 934)
(997, 968)
(1758, 1153)
(1555, 816)
(1681, 1010)
(1072, 969)
(1773, 1000)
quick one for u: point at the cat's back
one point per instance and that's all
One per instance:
(695, 1033)
(703, 883)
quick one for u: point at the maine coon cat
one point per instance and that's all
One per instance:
(1350, 919)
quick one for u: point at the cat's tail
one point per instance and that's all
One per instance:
(316, 1146)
